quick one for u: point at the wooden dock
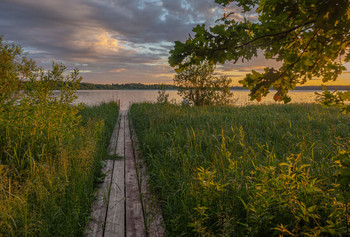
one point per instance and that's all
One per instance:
(123, 205)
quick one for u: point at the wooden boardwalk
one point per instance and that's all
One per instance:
(124, 205)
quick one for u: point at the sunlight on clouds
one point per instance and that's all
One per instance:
(156, 63)
(240, 69)
(165, 75)
(250, 68)
(106, 43)
(85, 71)
(118, 70)
(98, 42)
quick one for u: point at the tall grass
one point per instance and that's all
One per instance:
(250, 171)
(47, 182)
(50, 151)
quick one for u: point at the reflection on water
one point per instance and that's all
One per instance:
(127, 97)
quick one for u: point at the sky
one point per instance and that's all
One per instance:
(115, 41)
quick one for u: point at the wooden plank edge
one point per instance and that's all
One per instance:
(135, 224)
(96, 223)
(115, 217)
(152, 213)
(114, 138)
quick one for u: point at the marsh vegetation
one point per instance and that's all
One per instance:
(50, 151)
(264, 170)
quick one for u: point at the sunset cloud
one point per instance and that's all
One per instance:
(105, 42)
(115, 41)
(118, 70)
(100, 43)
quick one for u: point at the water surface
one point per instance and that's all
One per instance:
(127, 97)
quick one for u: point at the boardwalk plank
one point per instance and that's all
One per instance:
(121, 135)
(99, 207)
(113, 141)
(118, 209)
(135, 225)
(115, 221)
(96, 223)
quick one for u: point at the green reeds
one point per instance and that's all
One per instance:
(46, 181)
(49, 154)
(264, 170)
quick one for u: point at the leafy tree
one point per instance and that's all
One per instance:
(33, 119)
(15, 68)
(199, 86)
(335, 99)
(162, 97)
(310, 37)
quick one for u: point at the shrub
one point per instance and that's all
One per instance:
(199, 86)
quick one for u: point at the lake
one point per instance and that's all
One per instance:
(127, 97)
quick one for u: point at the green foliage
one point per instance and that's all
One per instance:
(50, 155)
(198, 85)
(31, 113)
(162, 97)
(13, 68)
(336, 99)
(309, 37)
(274, 170)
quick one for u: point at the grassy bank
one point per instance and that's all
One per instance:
(51, 155)
(249, 171)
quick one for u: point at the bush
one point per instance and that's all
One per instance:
(199, 86)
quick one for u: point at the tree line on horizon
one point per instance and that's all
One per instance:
(141, 86)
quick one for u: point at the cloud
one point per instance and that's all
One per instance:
(106, 37)
(132, 34)
(242, 68)
(101, 43)
(135, 35)
(118, 70)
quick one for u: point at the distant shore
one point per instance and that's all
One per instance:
(140, 86)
